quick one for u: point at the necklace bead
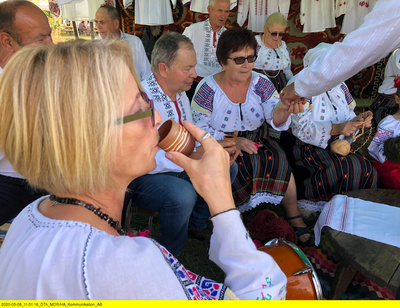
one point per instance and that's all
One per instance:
(97, 211)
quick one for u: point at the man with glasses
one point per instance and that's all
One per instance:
(204, 36)
(21, 23)
(168, 189)
(107, 20)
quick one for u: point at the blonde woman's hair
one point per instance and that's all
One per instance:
(58, 107)
(276, 19)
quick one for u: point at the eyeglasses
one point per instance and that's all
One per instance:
(140, 115)
(240, 60)
(281, 34)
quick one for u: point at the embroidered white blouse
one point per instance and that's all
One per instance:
(214, 112)
(257, 12)
(205, 42)
(270, 59)
(355, 13)
(47, 259)
(314, 125)
(388, 127)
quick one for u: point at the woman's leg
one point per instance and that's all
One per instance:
(289, 203)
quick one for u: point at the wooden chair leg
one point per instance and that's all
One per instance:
(343, 276)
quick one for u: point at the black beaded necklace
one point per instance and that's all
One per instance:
(90, 207)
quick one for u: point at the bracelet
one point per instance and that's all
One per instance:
(232, 209)
(279, 104)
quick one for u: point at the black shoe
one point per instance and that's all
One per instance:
(201, 235)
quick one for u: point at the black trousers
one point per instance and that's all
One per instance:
(15, 194)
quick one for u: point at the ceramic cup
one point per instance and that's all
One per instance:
(174, 137)
(229, 138)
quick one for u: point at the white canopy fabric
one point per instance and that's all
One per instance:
(81, 9)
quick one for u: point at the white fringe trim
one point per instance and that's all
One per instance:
(259, 198)
(311, 205)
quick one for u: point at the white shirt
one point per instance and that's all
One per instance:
(214, 112)
(257, 12)
(355, 13)
(167, 109)
(47, 259)
(314, 125)
(388, 127)
(270, 59)
(205, 42)
(316, 16)
(79, 10)
(358, 50)
(154, 12)
(142, 64)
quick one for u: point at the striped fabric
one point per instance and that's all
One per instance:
(359, 217)
(320, 174)
(279, 81)
(262, 177)
(382, 106)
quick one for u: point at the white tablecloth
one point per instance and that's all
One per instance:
(374, 221)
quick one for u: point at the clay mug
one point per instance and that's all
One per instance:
(233, 137)
(174, 137)
(229, 138)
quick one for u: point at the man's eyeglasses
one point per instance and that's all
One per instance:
(140, 115)
(281, 34)
(240, 60)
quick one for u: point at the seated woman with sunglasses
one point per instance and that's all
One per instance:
(243, 101)
(273, 54)
(83, 132)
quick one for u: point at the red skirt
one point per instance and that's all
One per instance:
(389, 174)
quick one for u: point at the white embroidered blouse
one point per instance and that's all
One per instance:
(314, 125)
(388, 127)
(270, 59)
(47, 259)
(214, 112)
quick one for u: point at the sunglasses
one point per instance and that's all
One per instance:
(281, 34)
(240, 60)
(140, 115)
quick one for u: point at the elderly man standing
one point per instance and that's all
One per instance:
(21, 23)
(107, 20)
(204, 36)
(168, 189)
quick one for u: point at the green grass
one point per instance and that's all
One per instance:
(65, 37)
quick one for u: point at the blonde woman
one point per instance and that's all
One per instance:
(273, 54)
(75, 123)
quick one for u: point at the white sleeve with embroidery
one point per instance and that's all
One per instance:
(308, 129)
(251, 274)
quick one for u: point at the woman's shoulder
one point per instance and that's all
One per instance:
(388, 121)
